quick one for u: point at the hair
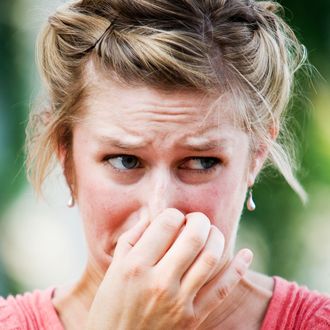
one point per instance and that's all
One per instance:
(242, 47)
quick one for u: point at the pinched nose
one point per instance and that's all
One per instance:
(160, 192)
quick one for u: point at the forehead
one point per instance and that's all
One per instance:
(138, 111)
(115, 100)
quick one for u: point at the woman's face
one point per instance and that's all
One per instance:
(138, 149)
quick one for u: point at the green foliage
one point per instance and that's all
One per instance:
(277, 206)
(13, 112)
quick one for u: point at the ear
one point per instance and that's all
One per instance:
(259, 156)
(257, 161)
(64, 158)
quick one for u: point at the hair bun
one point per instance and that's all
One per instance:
(269, 6)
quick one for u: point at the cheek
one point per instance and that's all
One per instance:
(107, 210)
(221, 201)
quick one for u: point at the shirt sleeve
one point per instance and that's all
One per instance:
(296, 308)
(29, 311)
(8, 318)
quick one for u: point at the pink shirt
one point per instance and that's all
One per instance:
(291, 308)
(31, 311)
(296, 308)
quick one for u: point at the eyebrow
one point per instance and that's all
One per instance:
(122, 144)
(205, 145)
(189, 144)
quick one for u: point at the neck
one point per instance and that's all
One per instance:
(72, 303)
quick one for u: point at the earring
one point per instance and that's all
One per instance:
(71, 202)
(251, 206)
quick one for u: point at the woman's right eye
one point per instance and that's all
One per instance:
(123, 162)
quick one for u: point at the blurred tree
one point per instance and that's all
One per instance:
(277, 205)
(12, 119)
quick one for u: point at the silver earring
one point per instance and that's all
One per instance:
(71, 202)
(251, 206)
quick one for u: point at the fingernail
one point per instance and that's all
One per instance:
(247, 255)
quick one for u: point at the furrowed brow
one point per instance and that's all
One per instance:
(206, 145)
(127, 144)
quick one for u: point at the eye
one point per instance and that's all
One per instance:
(200, 163)
(123, 162)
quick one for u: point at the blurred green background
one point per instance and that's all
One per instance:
(288, 239)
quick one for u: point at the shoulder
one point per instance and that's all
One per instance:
(296, 307)
(29, 311)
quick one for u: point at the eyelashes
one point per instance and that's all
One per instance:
(125, 163)
(200, 163)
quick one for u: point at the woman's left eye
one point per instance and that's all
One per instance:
(200, 163)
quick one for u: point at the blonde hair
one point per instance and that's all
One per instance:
(239, 46)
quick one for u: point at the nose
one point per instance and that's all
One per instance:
(159, 190)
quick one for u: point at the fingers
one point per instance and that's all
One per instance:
(214, 292)
(159, 236)
(187, 246)
(205, 265)
(129, 238)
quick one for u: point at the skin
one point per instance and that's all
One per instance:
(160, 179)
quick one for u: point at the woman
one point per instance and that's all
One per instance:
(162, 114)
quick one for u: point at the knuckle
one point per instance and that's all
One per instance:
(239, 270)
(186, 314)
(222, 292)
(169, 225)
(160, 290)
(195, 241)
(189, 321)
(210, 259)
(134, 270)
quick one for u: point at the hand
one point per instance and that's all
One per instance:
(162, 275)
